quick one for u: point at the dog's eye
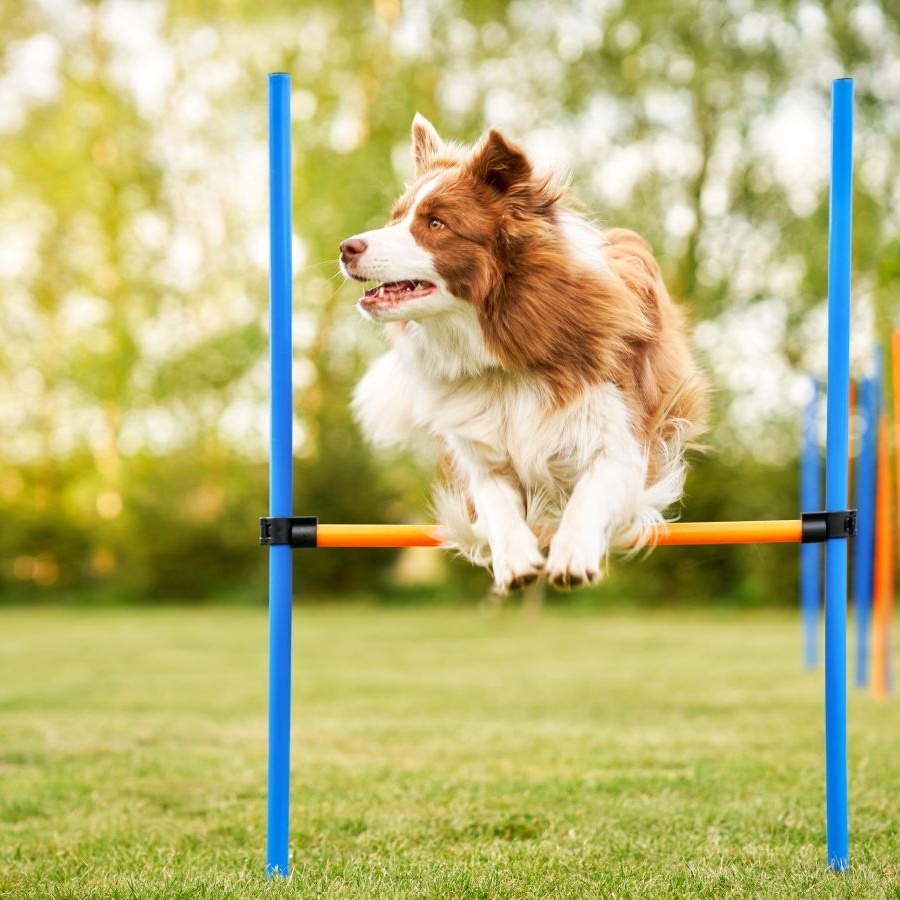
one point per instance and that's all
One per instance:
(435, 224)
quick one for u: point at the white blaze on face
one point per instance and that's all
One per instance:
(392, 254)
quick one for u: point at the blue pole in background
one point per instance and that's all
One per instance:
(864, 546)
(811, 554)
(280, 474)
(836, 466)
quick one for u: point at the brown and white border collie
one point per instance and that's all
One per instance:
(543, 354)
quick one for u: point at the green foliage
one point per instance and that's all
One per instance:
(132, 203)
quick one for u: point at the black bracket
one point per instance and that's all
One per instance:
(822, 526)
(296, 531)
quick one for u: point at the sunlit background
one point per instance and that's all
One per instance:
(133, 260)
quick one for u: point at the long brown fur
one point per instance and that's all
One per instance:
(542, 310)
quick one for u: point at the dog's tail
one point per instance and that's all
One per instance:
(674, 430)
(656, 502)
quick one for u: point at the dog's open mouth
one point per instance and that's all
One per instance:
(393, 292)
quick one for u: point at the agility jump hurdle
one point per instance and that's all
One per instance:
(282, 532)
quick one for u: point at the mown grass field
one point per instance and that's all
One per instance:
(437, 753)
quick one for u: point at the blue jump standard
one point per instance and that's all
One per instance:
(280, 474)
(836, 465)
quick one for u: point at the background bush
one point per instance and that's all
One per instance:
(133, 249)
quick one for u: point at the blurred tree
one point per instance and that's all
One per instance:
(133, 252)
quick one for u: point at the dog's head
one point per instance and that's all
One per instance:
(454, 233)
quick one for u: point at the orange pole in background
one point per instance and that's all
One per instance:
(895, 382)
(895, 373)
(884, 565)
(681, 534)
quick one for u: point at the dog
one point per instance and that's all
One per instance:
(544, 355)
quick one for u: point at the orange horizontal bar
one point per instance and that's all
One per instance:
(377, 536)
(677, 534)
(682, 534)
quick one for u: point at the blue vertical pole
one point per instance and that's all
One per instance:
(836, 466)
(811, 554)
(280, 475)
(864, 545)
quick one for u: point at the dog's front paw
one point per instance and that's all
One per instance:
(573, 561)
(518, 563)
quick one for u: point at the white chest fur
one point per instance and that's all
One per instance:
(494, 421)
(497, 422)
(502, 430)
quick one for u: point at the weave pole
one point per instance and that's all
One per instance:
(811, 554)
(280, 474)
(836, 471)
(864, 548)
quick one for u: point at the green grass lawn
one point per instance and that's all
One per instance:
(437, 753)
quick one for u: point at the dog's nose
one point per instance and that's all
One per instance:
(352, 247)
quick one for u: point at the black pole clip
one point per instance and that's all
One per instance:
(823, 526)
(296, 531)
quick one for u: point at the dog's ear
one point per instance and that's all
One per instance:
(427, 143)
(500, 164)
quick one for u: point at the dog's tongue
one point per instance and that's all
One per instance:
(392, 287)
(395, 292)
